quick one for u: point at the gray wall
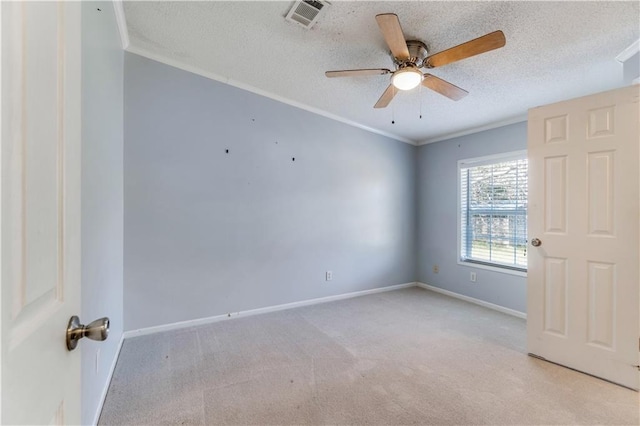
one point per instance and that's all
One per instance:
(631, 68)
(102, 193)
(208, 233)
(437, 213)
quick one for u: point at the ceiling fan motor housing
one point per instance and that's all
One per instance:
(417, 53)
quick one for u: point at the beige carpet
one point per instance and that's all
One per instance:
(402, 357)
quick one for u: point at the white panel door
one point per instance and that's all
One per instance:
(584, 195)
(40, 233)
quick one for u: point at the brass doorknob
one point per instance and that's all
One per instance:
(97, 330)
(536, 242)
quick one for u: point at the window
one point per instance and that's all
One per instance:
(493, 211)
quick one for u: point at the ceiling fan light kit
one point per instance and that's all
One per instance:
(410, 55)
(407, 78)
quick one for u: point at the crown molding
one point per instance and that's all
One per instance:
(628, 53)
(212, 76)
(512, 120)
(118, 8)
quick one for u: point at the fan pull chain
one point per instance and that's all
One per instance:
(420, 94)
(393, 114)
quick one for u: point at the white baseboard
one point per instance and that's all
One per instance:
(208, 320)
(474, 300)
(103, 396)
(216, 318)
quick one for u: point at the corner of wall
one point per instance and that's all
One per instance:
(121, 20)
(437, 217)
(102, 199)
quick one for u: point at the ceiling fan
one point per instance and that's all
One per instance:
(411, 55)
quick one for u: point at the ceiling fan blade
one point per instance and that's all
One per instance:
(356, 73)
(392, 32)
(491, 41)
(386, 97)
(443, 87)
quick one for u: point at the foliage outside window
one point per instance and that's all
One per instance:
(493, 211)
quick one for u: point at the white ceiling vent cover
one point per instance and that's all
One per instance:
(306, 12)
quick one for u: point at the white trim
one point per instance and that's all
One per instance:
(2, 208)
(517, 119)
(121, 20)
(628, 53)
(231, 315)
(103, 396)
(497, 269)
(493, 158)
(473, 300)
(199, 71)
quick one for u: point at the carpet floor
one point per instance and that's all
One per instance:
(409, 356)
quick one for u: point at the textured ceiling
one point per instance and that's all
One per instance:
(554, 51)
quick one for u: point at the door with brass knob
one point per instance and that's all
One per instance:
(40, 201)
(96, 330)
(582, 286)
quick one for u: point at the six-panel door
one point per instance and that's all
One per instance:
(583, 279)
(40, 211)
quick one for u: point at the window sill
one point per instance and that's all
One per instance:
(492, 268)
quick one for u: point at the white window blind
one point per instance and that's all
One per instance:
(493, 211)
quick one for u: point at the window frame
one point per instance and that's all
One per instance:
(473, 162)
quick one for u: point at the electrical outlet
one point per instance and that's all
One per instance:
(436, 269)
(329, 275)
(472, 277)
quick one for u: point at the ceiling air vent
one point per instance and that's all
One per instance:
(306, 12)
